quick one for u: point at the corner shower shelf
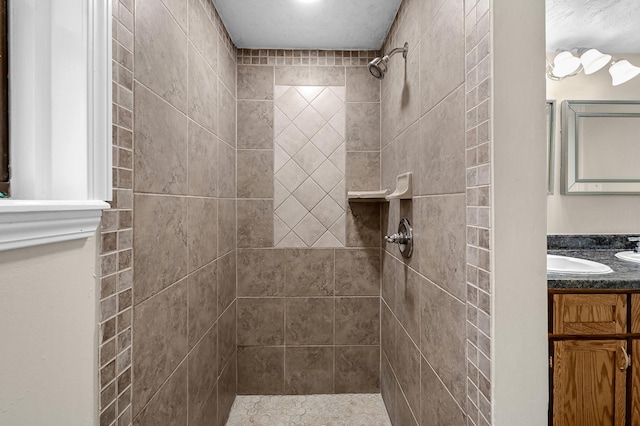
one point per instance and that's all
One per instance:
(403, 191)
(367, 196)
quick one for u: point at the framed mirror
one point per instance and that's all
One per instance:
(601, 147)
(551, 135)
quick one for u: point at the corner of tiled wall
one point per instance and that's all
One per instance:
(478, 154)
(116, 236)
(179, 299)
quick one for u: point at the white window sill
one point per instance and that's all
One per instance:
(25, 223)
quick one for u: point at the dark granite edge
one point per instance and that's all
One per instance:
(590, 242)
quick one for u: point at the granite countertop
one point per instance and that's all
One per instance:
(626, 275)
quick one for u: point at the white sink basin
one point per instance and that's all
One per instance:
(630, 256)
(572, 265)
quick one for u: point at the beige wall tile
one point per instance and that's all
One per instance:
(443, 338)
(308, 371)
(260, 371)
(255, 82)
(227, 337)
(361, 86)
(363, 225)
(261, 272)
(226, 391)
(202, 231)
(157, 267)
(226, 171)
(226, 226)
(309, 272)
(363, 171)
(408, 300)
(178, 9)
(363, 127)
(327, 76)
(255, 167)
(160, 330)
(203, 162)
(309, 321)
(443, 258)
(442, 147)
(169, 405)
(202, 105)
(357, 369)
(203, 302)
(260, 322)
(439, 408)
(200, 33)
(358, 272)
(203, 375)
(442, 60)
(160, 154)
(407, 368)
(161, 53)
(357, 321)
(226, 281)
(255, 223)
(226, 115)
(256, 129)
(292, 76)
(226, 66)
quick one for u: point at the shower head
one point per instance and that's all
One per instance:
(378, 67)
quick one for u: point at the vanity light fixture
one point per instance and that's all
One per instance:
(622, 71)
(566, 64)
(593, 60)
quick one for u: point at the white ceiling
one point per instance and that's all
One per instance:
(612, 26)
(297, 24)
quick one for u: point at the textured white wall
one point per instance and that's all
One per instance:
(590, 214)
(48, 335)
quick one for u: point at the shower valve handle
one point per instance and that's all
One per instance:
(397, 238)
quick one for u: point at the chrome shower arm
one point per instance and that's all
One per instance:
(403, 49)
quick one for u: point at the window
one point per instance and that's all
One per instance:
(60, 120)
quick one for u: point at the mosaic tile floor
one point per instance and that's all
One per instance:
(309, 410)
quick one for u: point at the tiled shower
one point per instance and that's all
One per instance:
(232, 263)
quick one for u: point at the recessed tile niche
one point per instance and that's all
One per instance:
(309, 166)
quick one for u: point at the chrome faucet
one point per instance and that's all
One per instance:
(637, 241)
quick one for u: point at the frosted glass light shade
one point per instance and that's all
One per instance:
(594, 60)
(622, 71)
(565, 64)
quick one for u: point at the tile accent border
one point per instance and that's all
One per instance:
(116, 235)
(306, 57)
(478, 144)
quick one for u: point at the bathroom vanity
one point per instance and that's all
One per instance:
(594, 339)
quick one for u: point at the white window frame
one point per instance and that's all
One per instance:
(60, 121)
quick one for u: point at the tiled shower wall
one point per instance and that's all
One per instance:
(308, 318)
(174, 140)
(116, 235)
(425, 298)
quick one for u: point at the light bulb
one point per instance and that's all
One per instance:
(622, 71)
(565, 64)
(594, 60)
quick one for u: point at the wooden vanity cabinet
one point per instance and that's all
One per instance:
(594, 381)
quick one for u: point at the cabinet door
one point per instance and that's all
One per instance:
(590, 314)
(635, 383)
(589, 382)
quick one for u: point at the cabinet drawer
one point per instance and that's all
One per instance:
(589, 314)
